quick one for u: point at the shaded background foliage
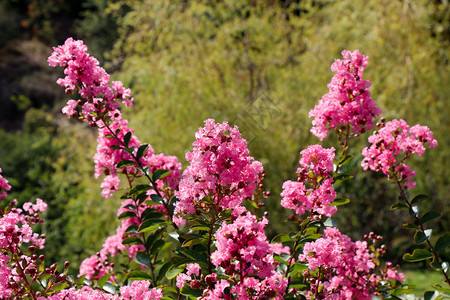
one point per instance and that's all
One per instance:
(261, 65)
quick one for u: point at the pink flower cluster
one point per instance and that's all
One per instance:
(219, 167)
(15, 227)
(316, 167)
(85, 77)
(243, 252)
(15, 230)
(392, 144)
(345, 268)
(106, 159)
(5, 274)
(348, 103)
(4, 187)
(191, 269)
(138, 290)
(94, 267)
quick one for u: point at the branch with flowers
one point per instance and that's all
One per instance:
(196, 234)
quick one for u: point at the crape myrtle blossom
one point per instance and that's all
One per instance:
(392, 144)
(313, 190)
(345, 268)
(244, 252)
(246, 257)
(348, 102)
(219, 167)
(15, 230)
(138, 290)
(4, 187)
(5, 273)
(85, 77)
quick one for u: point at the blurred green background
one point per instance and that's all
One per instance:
(261, 65)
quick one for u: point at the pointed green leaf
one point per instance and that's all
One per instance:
(339, 202)
(151, 224)
(131, 229)
(141, 151)
(142, 259)
(132, 240)
(330, 222)
(418, 198)
(398, 205)
(127, 214)
(429, 216)
(410, 225)
(419, 237)
(281, 238)
(160, 173)
(172, 273)
(125, 163)
(418, 255)
(430, 295)
(442, 242)
(116, 147)
(127, 138)
(188, 291)
(140, 189)
(109, 287)
(103, 280)
(138, 275)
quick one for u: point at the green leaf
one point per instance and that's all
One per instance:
(116, 147)
(429, 216)
(398, 205)
(80, 280)
(281, 238)
(410, 225)
(109, 287)
(430, 295)
(418, 198)
(130, 207)
(140, 189)
(172, 273)
(156, 246)
(141, 151)
(156, 198)
(150, 213)
(142, 259)
(153, 237)
(160, 173)
(192, 242)
(188, 291)
(127, 138)
(59, 286)
(132, 240)
(151, 224)
(127, 214)
(163, 270)
(439, 288)
(138, 275)
(330, 222)
(419, 237)
(103, 280)
(418, 255)
(199, 228)
(339, 202)
(442, 242)
(131, 229)
(125, 163)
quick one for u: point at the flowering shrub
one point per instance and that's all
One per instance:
(196, 233)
